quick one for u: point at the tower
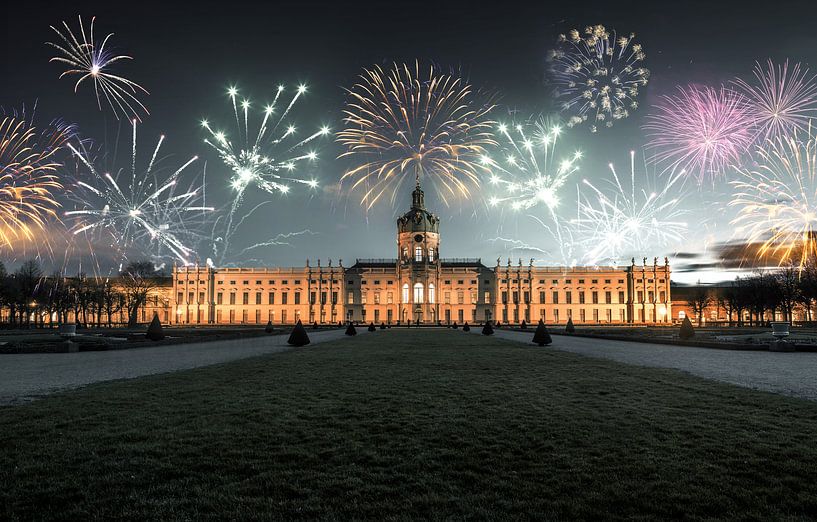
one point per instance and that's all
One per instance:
(418, 253)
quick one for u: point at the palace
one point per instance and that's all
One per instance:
(422, 286)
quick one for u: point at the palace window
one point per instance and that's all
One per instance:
(555, 297)
(608, 298)
(568, 281)
(180, 298)
(594, 281)
(271, 298)
(621, 297)
(246, 282)
(569, 297)
(650, 297)
(219, 298)
(245, 298)
(232, 298)
(258, 298)
(258, 282)
(377, 298)
(334, 299)
(284, 297)
(350, 298)
(473, 298)
(595, 297)
(504, 297)
(389, 297)
(311, 297)
(460, 297)
(405, 253)
(515, 296)
(405, 293)
(201, 297)
(487, 297)
(542, 297)
(418, 292)
(431, 294)
(363, 297)
(460, 282)
(526, 297)
(607, 281)
(323, 298)
(663, 296)
(581, 281)
(418, 254)
(376, 282)
(430, 256)
(297, 297)
(448, 298)
(581, 297)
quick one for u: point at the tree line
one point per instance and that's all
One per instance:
(30, 298)
(752, 299)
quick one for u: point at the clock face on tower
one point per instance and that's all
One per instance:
(418, 238)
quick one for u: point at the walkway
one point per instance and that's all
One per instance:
(792, 374)
(24, 377)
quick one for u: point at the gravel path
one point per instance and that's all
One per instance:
(24, 377)
(792, 374)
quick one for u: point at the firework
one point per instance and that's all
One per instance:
(701, 130)
(597, 75)
(407, 124)
(782, 101)
(528, 174)
(627, 218)
(266, 156)
(91, 59)
(28, 179)
(140, 207)
(777, 200)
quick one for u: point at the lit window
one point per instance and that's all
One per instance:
(405, 293)
(430, 259)
(418, 254)
(418, 292)
(431, 289)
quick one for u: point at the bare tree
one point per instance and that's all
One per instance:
(788, 289)
(699, 300)
(138, 280)
(28, 278)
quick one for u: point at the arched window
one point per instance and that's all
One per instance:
(405, 293)
(431, 291)
(405, 252)
(430, 258)
(418, 292)
(418, 254)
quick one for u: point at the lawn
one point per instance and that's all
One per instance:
(410, 424)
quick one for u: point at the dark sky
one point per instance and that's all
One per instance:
(187, 55)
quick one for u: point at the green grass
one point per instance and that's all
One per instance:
(410, 424)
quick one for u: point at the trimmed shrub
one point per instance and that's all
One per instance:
(371, 327)
(315, 325)
(382, 326)
(155, 332)
(269, 328)
(487, 329)
(569, 328)
(456, 326)
(524, 325)
(465, 327)
(687, 331)
(350, 330)
(298, 337)
(541, 336)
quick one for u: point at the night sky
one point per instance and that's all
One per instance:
(187, 56)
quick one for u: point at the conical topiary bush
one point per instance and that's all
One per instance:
(465, 327)
(541, 336)
(298, 337)
(371, 327)
(350, 330)
(487, 329)
(269, 328)
(382, 326)
(315, 325)
(569, 328)
(524, 325)
(456, 326)
(687, 331)
(155, 332)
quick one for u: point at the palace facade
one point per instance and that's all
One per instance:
(421, 286)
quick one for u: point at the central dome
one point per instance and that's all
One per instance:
(418, 219)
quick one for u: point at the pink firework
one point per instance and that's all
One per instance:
(782, 99)
(702, 130)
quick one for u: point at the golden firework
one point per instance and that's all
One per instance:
(405, 123)
(28, 175)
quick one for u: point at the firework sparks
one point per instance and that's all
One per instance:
(406, 124)
(597, 75)
(629, 218)
(266, 157)
(28, 179)
(528, 173)
(701, 130)
(141, 210)
(777, 200)
(91, 59)
(782, 101)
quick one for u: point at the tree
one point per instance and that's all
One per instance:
(298, 337)
(569, 328)
(139, 278)
(487, 329)
(808, 287)
(542, 336)
(699, 300)
(28, 278)
(155, 332)
(687, 331)
(788, 290)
